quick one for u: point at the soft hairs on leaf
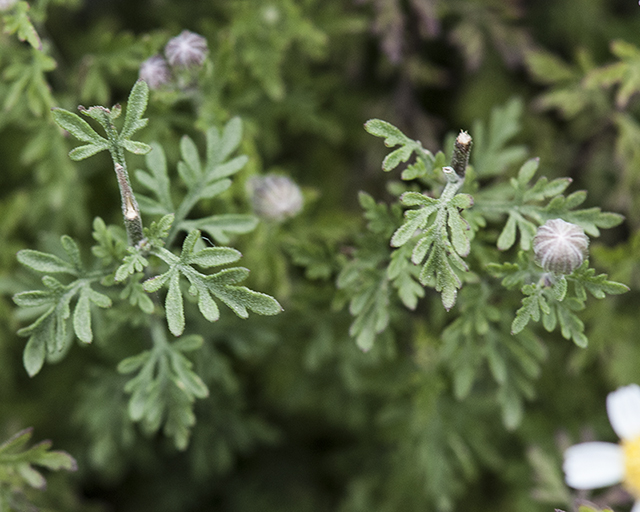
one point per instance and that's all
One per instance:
(221, 285)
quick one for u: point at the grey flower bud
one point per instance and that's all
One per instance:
(275, 197)
(560, 246)
(186, 50)
(155, 72)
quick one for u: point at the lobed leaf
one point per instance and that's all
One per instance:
(158, 180)
(392, 135)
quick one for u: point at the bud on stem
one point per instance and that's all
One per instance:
(560, 247)
(461, 151)
(130, 210)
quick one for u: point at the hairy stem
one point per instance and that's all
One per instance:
(130, 210)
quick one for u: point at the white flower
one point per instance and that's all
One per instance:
(187, 49)
(155, 72)
(597, 464)
(275, 197)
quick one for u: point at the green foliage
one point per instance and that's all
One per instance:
(477, 337)
(491, 154)
(625, 73)
(165, 387)
(365, 393)
(17, 472)
(551, 298)
(48, 334)
(29, 80)
(115, 142)
(527, 202)
(203, 181)
(444, 240)
(222, 285)
(367, 281)
(16, 21)
(426, 163)
(437, 231)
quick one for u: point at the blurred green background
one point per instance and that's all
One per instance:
(298, 418)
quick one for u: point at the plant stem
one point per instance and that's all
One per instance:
(130, 210)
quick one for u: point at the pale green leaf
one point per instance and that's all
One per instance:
(34, 352)
(76, 126)
(45, 263)
(136, 105)
(174, 306)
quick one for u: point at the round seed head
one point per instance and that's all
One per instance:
(186, 50)
(155, 72)
(560, 246)
(275, 197)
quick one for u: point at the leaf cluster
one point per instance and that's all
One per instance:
(115, 142)
(17, 471)
(165, 388)
(49, 333)
(551, 298)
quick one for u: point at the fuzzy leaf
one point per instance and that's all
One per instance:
(394, 137)
(158, 180)
(45, 263)
(138, 148)
(136, 105)
(17, 461)
(192, 172)
(231, 138)
(492, 154)
(214, 257)
(132, 263)
(131, 364)
(34, 352)
(18, 21)
(221, 227)
(220, 285)
(228, 168)
(508, 236)
(174, 306)
(164, 388)
(77, 127)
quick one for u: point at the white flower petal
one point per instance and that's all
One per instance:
(636, 507)
(623, 408)
(593, 465)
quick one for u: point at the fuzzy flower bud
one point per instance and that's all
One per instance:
(155, 72)
(560, 246)
(186, 50)
(275, 197)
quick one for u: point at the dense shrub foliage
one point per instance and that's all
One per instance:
(315, 255)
